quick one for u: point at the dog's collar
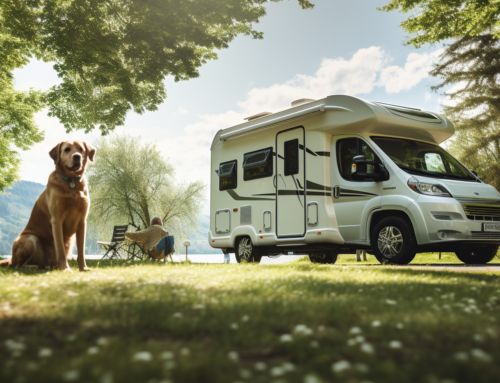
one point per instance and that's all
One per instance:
(71, 181)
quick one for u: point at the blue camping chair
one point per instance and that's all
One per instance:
(164, 248)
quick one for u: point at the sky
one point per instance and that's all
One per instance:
(338, 47)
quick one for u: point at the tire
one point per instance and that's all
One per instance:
(246, 251)
(393, 241)
(324, 257)
(476, 255)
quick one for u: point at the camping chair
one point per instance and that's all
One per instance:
(116, 244)
(163, 249)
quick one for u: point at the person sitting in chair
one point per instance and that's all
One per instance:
(154, 240)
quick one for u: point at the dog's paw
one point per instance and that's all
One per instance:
(84, 269)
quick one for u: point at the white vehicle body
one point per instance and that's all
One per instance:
(288, 182)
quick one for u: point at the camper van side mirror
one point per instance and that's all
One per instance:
(363, 169)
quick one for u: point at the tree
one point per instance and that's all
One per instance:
(112, 56)
(131, 183)
(470, 72)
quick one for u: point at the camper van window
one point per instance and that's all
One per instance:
(228, 175)
(291, 157)
(423, 158)
(258, 164)
(347, 149)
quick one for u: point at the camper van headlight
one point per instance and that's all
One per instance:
(427, 188)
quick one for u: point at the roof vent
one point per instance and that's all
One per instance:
(258, 115)
(301, 101)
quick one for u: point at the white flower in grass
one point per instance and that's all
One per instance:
(312, 378)
(260, 366)
(480, 355)
(245, 374)
(102, 341)
(355, 330)
(235, 326)
(303, 330)
(93, 350)
(395, 344)
(391, 302)
(245, 318)
(143, 356)
(286, 338)
(199, 306)
(289, 367)
(185, 351)
(277, 371)
(233, 356)
(167, 355)
(376, 323)
(71, 293)
(314, 344)
(177, 315)
(44, 352)
(71, 375)
(478, 338)
(341, 366)
(400, 326)
(367, 348)
(14, 346)
(71, 337)
(461, 356)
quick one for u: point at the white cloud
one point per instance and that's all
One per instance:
(396, 79)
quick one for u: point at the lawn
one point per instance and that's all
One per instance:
(296, 322)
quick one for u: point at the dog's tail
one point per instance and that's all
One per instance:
(5, 262)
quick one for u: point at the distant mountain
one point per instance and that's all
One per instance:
(17, 202)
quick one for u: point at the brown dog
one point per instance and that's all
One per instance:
(59, 213)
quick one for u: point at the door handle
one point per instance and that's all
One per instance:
(336, 192)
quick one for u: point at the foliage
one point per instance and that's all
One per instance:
(131, 183)
(470, 72)
(250, 323)
(112, 56)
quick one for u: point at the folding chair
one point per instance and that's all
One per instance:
(116, 244)
(165, 247)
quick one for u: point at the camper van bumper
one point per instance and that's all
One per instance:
(442, 220)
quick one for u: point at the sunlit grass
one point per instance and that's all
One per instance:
(249, 323)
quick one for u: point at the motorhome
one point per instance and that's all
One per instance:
(340, 174)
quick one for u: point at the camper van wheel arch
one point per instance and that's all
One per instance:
(476, 254)
(393, 240)
(329, 257)
(246, 251)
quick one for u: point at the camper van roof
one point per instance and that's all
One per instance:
(347, 115)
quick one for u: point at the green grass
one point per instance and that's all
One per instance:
(250, 323)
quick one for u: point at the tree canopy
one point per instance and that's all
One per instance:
(112, 56)
(131, 183)
(470, 71)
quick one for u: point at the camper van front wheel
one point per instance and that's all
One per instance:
(246, 252)
(393, 241)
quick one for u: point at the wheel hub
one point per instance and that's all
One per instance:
(390, 241)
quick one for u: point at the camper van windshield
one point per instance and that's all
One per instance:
(423, 159)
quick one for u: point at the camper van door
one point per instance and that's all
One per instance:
(290, 183)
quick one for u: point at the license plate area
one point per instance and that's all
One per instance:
(491, 227)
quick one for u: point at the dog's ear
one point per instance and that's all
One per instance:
(90, 151)
(54, 153)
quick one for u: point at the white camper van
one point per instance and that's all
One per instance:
(339, 174)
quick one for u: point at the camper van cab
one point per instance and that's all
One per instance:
(339, 174)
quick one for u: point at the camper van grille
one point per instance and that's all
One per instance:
(482, 212)
(485, 235)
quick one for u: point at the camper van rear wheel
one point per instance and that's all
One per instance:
(246, 252)
(323, 257)
(393, 241)
(477, 254)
